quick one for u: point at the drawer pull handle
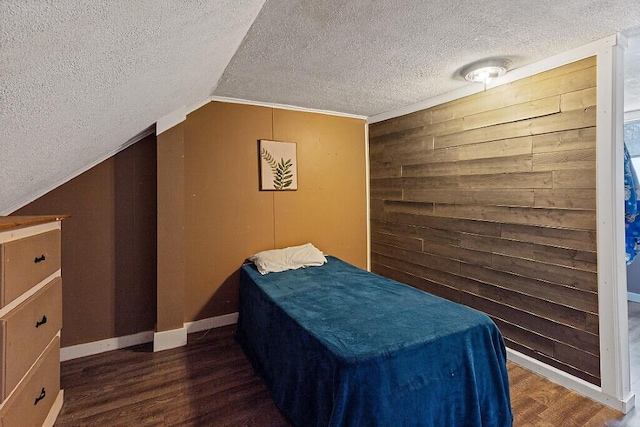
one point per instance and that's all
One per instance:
(39, 398)
(39, 258)
(42, 322)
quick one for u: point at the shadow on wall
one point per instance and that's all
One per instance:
(135, 231)
(225, 297)
(108, 245)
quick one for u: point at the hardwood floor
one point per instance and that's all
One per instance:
(211, 383)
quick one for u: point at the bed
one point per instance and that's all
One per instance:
(339, 346)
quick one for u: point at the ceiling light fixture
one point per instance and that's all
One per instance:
(486, 70)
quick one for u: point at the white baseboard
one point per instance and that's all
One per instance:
(167, 340)
(569, 381)
(631, 296)
(212, 322)
(97, 347)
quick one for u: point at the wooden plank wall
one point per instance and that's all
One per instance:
(490, 201)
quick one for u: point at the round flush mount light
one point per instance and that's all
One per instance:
(486, 70)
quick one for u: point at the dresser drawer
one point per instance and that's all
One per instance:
(26, 262)
(26, 331)
(32, 400)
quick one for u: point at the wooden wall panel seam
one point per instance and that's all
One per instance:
(582, 262)
(459, 266)
(578, 76)
(549, 309)
(587, 351)
(564, 121)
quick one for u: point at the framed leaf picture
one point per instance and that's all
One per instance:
(278, 166)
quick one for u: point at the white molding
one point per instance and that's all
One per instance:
(138, 137)
(212, 322)
(612, 273)
(97, 347)
(285, 107)
(633, 297)
(167, 340)
(170, 120)
(569, 381)
(462, 92)
(631, 116)
(55, 410)
(556, 61)
(148, 131)
(564, 58)
(180, 115)
(198, 105)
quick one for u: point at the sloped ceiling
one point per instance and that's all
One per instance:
(79, 78)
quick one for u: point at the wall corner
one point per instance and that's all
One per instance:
(171, 230)
(171, 120)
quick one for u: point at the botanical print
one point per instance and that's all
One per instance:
(278, 169)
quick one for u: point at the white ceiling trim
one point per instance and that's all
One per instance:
(585, 51)
(285, 107)
(170, 120)
(428, 103)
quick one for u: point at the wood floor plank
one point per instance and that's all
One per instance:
(210, 382)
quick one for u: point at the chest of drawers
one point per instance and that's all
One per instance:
(30, 321)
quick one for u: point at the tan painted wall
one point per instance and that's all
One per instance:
(227, 218)
(328, 209)
(171, 230)
(108, 246)
(206, 213)
(490, 201)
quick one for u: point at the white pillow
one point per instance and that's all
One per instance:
(290, 258)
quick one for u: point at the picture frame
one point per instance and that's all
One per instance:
(278, 165)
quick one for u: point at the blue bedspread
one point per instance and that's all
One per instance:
(339, 346)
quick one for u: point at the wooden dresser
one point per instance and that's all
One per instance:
(30, 321)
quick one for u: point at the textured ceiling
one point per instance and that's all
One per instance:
(368, 57)
(79, 78)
